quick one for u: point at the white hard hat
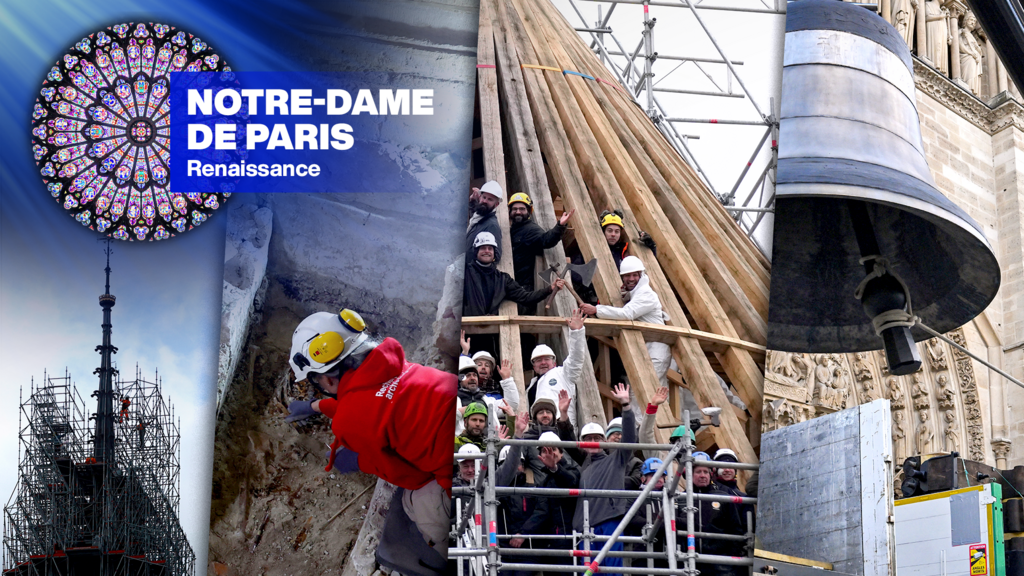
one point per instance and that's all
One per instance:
(484, 239)
(468, 449)
(630, 264)
(504, 454)
(540, 351)
(549, 437)
(466, 363)
(323, 340)
(614, 426)
(484, 355)
(591, 428)
(493, 188)
(725, 452)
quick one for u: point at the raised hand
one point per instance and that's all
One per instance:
(502, 432)
(504, 407)
(522, 423)
(505, 370)
(621, 393)
(464, 342)
(576, 320)
(660, 396)
(550, 458)
(563, 403)
(565, 217)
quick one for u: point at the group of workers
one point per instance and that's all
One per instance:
(489, 399)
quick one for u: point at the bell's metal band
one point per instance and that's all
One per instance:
(834, 48)
(822, 16)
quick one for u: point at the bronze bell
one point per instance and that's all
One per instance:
(859, 224)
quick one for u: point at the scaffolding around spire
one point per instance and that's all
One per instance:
(98, 493)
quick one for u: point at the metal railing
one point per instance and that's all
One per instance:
(477, 539)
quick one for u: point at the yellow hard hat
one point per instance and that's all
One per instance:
(611, 219)
(520, 197)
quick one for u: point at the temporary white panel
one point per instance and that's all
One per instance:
(949, 533)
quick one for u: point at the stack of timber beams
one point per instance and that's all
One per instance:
(553, 126)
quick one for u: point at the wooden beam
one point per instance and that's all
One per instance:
(494, 168)
(529, 164)
(602, 185)
(570, 183)
(624, 187)
(730, 276)
(598, 327)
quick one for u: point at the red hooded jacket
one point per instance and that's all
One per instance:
(398, 416)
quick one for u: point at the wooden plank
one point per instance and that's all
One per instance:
(612, 167)
(541, 87)
(526, 155)
(494, 169)
(712, 250)
(570, 183)
(747, 315)
(717, 212)
(601, 183)
(597, 327)
(747, 310)
(758, 553)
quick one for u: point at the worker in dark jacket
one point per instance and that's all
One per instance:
(712, 518)
(604, 471)
(520, 515)
(482, 205)
(726, 480)
(634, 466)
(485, 287)
(529, 240)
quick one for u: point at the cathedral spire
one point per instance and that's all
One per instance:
(103, 440)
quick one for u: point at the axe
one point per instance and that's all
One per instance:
(585, 271)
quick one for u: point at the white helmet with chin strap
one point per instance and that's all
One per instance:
(630, 264)
(323, 340)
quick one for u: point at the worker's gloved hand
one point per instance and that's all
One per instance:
(345, 460)
(646, 240)
(300, 410)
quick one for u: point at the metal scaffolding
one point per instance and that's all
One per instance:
(478, 552)
(97, 494)
(750, 197)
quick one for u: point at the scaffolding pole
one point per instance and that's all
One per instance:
(680, 457)
(637, 82)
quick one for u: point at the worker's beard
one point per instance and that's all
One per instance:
(483, 209)
(520, 218)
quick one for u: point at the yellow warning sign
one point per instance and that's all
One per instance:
(979, 560)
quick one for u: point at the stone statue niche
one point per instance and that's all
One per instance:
(970, 63)
(937, 34)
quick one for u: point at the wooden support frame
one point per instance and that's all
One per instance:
(494, 168)
(709, 342)
(602, 185)
(525, 153)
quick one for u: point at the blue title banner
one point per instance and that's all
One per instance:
(285, 132)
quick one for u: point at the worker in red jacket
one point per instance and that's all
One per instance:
(391, 418)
